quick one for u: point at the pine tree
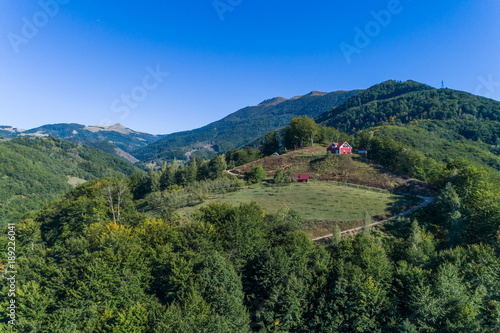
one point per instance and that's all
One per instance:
(153, 182)
(192, 172)
(181, 176)
(216, 167)
(168, 176)
(337, 236)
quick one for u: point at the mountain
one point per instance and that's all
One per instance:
(9, 131)
(116, 139)
(470, 116)
(241, 127)
(35, 171)
(441, 123)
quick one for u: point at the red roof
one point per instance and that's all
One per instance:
(338, 144)
(300, 177)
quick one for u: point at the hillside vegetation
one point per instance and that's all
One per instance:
(441, 144)
(443, 124)
(470, 116)
(34, 172)
(352, 169)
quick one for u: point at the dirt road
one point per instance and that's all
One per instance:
(427, 200)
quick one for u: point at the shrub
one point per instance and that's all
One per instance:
(281, 178)
(256, 175)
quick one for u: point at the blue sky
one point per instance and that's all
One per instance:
(166, 66)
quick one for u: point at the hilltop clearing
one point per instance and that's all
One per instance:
(352, 169)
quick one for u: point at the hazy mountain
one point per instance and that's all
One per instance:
(9, 131)
(241, 127)
(116, 139)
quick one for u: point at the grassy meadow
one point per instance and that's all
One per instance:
(321, 204)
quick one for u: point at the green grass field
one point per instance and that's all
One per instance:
(318, 200)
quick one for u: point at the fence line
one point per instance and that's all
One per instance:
(356, 185)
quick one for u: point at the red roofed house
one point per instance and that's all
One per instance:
(339, 148)
(300, 178)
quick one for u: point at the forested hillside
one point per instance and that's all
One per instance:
(440, 123)
(92, 263)
(472, 117)
(35, 171)
(441, 144)
(241, 127)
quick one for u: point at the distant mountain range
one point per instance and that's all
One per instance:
(116, 139)
(240, 127)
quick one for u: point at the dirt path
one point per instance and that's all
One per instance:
(427, 200)
(232, 173)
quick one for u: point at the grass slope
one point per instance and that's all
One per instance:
(326, 203)
(317, 200)
(321, 204)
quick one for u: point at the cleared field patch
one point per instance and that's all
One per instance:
(321, 204)
(74, 181)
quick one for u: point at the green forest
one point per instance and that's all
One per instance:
(98, 261)
(466, 124)
(473, 117)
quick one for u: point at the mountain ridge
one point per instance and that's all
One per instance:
(240, 127)
(113, 139)
(408, 102)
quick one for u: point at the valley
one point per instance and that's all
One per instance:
(234, 166)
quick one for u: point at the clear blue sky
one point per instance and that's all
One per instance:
(83, 59)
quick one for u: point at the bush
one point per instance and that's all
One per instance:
(281, 178)
(256, 175)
